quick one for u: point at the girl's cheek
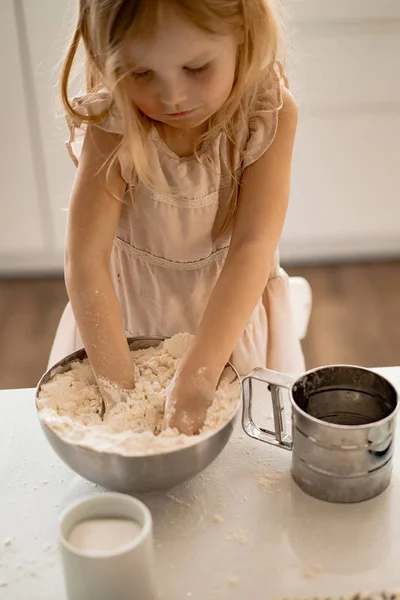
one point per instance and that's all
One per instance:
(216, 89)
(144, 100)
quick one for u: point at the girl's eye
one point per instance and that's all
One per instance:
(141, 75)
(198, 70)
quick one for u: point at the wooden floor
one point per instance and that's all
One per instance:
(355, 319)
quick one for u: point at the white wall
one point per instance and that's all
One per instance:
(346, 178)
(37, 173)
(21, 211)
(344, 71)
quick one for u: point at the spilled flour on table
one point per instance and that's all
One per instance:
(273, 482)
(379, 596)
(70, 405)
(313, 571)
(240, 536)
(217, 519)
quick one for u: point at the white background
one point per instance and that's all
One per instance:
(344, 67)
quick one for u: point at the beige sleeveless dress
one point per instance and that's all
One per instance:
(165, 262)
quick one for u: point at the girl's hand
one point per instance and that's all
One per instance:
(112, 394)
(188, 398)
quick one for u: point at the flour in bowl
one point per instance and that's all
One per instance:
(70, 405)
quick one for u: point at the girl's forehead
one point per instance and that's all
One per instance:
(173, 40)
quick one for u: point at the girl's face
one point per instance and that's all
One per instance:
(181, 75)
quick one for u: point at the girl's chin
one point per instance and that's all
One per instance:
(184, 122)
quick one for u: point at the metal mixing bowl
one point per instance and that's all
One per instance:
(135, 474)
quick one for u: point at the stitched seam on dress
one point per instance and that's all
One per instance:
(257, 154)
(183, 202)
(165, 148)
(170, 264)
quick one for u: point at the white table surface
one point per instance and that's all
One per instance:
(226, 534)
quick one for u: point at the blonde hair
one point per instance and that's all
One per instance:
(104, 27)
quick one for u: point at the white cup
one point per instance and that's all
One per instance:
(126, 573)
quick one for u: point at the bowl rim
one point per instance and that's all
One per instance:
(80, 355)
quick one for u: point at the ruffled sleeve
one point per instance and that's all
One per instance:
(263, 122)
(91, 105)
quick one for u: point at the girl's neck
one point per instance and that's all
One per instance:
(181, 141)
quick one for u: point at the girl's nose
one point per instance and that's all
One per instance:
(173, 95)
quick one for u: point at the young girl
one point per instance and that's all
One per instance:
(183, 145)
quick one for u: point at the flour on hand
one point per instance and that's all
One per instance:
(70, 404)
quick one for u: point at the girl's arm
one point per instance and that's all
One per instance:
(259, 220)
(94, 213)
